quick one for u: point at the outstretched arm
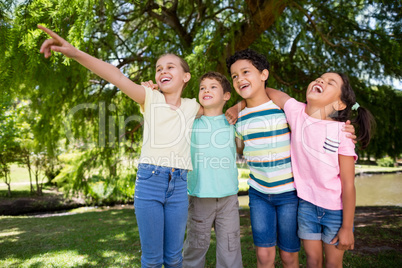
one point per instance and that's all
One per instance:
(279, 97)
(103, 69)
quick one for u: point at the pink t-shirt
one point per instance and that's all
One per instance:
(315, 146)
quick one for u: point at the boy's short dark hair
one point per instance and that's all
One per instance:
(258, 60)
(220, 78)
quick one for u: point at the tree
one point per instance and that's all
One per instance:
(8, 139)
(301, 39)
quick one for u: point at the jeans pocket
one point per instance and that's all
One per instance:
(144, 174)
(301, 201)
(183, 175)
(234, 241)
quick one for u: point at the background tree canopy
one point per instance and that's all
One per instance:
(70, 108)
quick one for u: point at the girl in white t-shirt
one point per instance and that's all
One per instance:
(323, 164)
(161, 186)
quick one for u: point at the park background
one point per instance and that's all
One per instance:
(68, 138)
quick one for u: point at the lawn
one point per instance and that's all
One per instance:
(109, 238)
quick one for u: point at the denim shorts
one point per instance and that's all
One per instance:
(274, 220)
(317, 223)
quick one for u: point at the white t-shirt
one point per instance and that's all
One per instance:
(167, 131)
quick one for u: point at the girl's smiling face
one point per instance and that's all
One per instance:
(170, 75)
(325, 90)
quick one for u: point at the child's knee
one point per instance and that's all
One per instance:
(289, 259)
(266, 256)
(314, 261)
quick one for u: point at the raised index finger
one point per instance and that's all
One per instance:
(51, 33)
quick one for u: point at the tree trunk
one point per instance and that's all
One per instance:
(38, 187)
(28, 163)
(263, 15)
(8, 182)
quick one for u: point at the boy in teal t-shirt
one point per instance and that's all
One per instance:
(213, 183)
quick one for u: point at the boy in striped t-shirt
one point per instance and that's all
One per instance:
(265, 137)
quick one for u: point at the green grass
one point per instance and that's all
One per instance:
(372, 168)
(93, 239)
(110, 238)
(19, 179)
(19, 173)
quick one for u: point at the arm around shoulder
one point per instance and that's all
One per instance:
(278, 97)
(232, 113)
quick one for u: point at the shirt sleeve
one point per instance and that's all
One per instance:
(292, 109)
(190, 106)
(148, 99)
(347, 147)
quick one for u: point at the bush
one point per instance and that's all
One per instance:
(385, 162)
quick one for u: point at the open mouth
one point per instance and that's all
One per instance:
(207, 97)
(243, 86)
(317, 88)
(165, 80)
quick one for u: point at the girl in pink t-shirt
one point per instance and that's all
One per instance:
(323, 164)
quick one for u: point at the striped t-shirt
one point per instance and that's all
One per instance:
(266, 136)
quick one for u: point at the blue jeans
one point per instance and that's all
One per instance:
(274, 220)
(161, 205)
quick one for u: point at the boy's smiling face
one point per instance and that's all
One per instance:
(211, 94)
(247, 80)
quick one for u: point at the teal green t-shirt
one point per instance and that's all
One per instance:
(213, 155)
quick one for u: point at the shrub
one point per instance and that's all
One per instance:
(385, 162)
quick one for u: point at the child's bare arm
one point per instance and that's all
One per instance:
(103, 69)
(200, 112)
(239, 146)
(351, 130)
(278, 97)
(232, 113)
(347, 172)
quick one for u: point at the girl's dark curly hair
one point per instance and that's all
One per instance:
(258, 60)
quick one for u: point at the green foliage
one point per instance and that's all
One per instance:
(385, 162)
(68, 108)
(9, 147)
(244, 173)
(84, 173)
